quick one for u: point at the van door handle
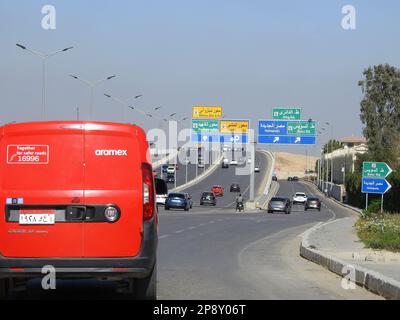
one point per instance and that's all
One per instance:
(76, 213)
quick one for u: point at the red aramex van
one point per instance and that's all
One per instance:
(78, 196)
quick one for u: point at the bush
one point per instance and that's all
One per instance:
(380, 231)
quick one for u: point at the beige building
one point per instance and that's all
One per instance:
(345, 158)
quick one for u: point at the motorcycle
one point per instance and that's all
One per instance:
(239, 207)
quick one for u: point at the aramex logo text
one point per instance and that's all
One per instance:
(119, 153)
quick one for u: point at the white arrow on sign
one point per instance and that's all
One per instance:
(276, 139)
(205, 138)
(235, 138)
(298, 140)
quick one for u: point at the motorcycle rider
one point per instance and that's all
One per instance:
(239, 201)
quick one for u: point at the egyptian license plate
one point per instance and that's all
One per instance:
(37, 217)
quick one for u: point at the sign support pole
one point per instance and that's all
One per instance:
(366, 201)
(382, 204)
(252, 168)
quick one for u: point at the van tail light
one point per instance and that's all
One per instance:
(148, 191)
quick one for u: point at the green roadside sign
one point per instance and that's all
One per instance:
(204, 125)
(376, 170)
(301, 128)
(286, 113)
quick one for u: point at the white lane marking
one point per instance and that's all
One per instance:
(245, 191)
(312, 228)
(212, 222)
(191, 228)
(202, 224)
(163, 236)
(220, 220)
(178, 231)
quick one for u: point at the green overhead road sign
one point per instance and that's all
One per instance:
(205, 126)
(286, 113)
(300, 128)
(376, 170)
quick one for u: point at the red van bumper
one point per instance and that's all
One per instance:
(139, 266)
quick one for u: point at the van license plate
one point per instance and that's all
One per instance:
(37, 218)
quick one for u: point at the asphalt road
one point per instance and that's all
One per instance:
(215, 253)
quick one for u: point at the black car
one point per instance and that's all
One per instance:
(235, 187)
(170, 178)
(312, 203)
(225, 165)
(274, 178)
(280, 204)
(208, 198)
(289, 179)
(295, 178)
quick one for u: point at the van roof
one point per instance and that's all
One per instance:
(98, 127)
(70, 125)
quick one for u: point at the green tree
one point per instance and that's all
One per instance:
(332, 145)
(380, 112)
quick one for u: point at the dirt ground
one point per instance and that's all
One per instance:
(290, 162)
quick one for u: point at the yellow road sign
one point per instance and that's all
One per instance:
(207, 112)
(234, 126)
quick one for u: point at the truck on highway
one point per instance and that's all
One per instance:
(80, 197)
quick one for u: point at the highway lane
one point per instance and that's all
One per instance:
(214, 253)
(217, 254)
(225, 177)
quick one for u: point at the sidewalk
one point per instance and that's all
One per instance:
(335, 245)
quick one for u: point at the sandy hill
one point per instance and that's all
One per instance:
(293, 163)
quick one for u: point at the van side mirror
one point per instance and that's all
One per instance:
(160, 186)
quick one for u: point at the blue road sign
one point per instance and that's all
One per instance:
(373, 185)
(236, 138)
(205, 137)
(276, 132)
(286, 140)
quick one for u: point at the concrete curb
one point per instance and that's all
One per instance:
(370, 280)
(201, 177)
(262, 200)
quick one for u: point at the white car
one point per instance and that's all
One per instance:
(256, 169)
(234, 163)
(171, 169)
(299, 197)
(160, 198)
(200, 165)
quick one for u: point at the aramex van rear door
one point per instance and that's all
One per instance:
(41, 172)
(113, 177)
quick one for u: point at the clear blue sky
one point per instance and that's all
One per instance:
(247, 56)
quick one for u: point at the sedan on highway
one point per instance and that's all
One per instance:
(299, 198)
(279, 204)
(274, 178)
(312, 203)
(208, 198)
(218, 191)
(170, 178)
(235, 187)
(177, 201)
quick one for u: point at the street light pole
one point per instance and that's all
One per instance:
(44, 57)
(331, 153)
(124, 103)
(92, 85)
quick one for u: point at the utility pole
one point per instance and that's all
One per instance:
(252, 168)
